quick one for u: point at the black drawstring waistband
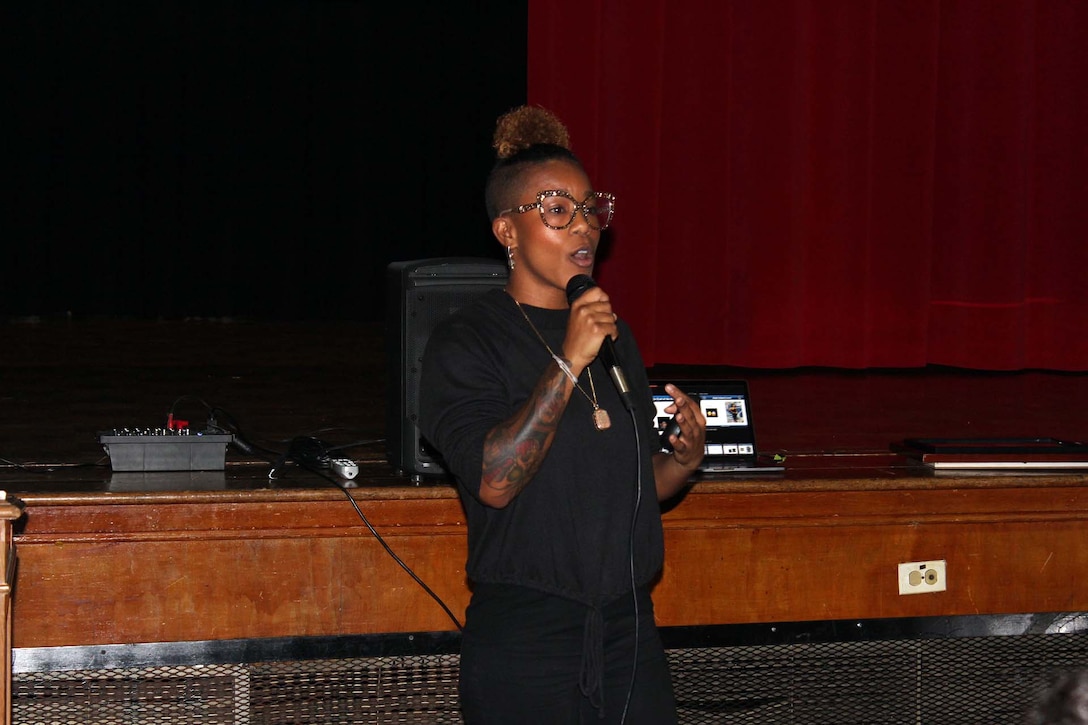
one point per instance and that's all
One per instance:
(591, 680)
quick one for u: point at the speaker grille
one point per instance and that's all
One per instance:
(948, 681)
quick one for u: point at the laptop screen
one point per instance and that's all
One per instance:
(730, 435)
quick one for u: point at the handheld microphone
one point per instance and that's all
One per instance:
(576, 287)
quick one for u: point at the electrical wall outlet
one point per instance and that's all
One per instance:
(923, 577)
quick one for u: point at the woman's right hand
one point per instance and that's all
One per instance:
(591, 321)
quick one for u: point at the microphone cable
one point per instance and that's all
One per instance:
(309, 453)
(576, 286)
(631, 557)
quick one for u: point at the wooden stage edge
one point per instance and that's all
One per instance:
(242, 561)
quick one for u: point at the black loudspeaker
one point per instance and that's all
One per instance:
(421, 294)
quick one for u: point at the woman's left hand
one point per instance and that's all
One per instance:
(689, 446)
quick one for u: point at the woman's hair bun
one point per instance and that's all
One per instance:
(527, 126)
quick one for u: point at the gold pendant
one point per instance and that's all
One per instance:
(601, 419)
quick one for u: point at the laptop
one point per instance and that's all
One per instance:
(730, 433)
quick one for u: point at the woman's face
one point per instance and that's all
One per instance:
(544, 258)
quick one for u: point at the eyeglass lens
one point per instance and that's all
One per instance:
(558, 211)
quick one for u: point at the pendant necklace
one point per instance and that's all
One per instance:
(601, 419)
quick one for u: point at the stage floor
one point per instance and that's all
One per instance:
(64, 381)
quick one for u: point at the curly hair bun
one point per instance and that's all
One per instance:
(527, 126)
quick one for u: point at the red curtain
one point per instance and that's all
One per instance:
(852, 184)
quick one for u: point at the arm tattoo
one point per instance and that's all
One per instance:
(514, 450)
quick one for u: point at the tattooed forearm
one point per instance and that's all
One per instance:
(514, 450)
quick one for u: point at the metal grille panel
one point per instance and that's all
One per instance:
(206, 694)
(385, 690)
(968, 681)
(946, 681)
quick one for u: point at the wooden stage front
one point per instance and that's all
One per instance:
(114, 558)
(240, 562)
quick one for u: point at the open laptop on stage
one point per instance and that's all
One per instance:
(730, 433)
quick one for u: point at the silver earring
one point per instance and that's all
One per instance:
(510, 257)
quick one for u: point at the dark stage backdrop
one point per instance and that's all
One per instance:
(875, 183)
(179, 158)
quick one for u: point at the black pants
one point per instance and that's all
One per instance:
(523, 660)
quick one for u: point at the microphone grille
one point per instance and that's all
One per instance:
(577, 286)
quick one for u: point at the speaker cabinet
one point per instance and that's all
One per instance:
(421, 294)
